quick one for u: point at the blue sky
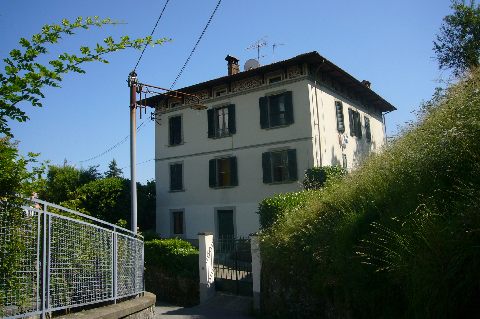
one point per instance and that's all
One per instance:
(388, 43)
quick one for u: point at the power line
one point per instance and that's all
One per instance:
(112, 147)
(151, 34)
(196, 44)
(144, 162)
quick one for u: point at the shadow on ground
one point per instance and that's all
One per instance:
(221, 306)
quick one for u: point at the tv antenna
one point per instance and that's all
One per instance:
(273, 49)
(257, 45)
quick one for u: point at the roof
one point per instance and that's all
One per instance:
(313, 58)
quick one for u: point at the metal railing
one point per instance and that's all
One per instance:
(68, 260)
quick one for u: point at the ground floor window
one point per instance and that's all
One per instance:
(178, 228)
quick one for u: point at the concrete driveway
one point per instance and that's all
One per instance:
(221, 306)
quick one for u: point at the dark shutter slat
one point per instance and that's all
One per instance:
(212, 170)
(340, 119)
(292, 165)
(266, 165)
(263, 103)
(358, 124)
(288, 107)
(231, 119)
(233, 170)
(368, 132)
(351, 122)
(211, 125)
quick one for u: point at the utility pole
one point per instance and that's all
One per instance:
(132, 83)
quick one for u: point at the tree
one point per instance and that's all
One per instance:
(25, 76)
(113, 170)
(61, 182)
(90, 174)
(458, 45)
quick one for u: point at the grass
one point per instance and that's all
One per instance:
(397, 238)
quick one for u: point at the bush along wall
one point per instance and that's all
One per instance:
(397, 238)
(172, 271)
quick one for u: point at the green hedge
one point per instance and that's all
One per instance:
(397, 238)
(318, 177)
(172, 271)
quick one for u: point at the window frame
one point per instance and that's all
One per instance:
(368, 129)
(233, 170)
(170, 118)
(267, 121)
(212, 119)
(182, 189)
(355, 123)
(173, 223)
(291, 166)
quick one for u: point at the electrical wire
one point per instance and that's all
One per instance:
(151, 34)
(196, 44)
(144, 162)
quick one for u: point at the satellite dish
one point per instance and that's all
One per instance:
(251, 64)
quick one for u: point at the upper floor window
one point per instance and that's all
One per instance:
(175, 130)
(220, 91)
(276, 110)
(223, 172)
(176, 177)
(340, 119)
(279, 166)
(368, 132)
(221, 121)
(355, 124)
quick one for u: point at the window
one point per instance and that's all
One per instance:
(176, 177)
(279, 166)
(355, 124)
(223, 172)
(276, 110)
(219, 92)
(344, 161)
(368, 132)
(175, 130)
(221, 121)
(340, 119)
(274, 79)
(178, 223)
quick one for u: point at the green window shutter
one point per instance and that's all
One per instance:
(233, 171)
(211, 125)
(231, 119)
(368, 132)
(267, 168)
(263, 103)
(358, 124)
(212, 170)
(292, 165)
(288, 107)
(340, 119)
(351, 122)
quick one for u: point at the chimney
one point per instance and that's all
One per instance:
(366, 83)
(232, 63)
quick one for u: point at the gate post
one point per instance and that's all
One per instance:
(205, 266)
(256, 269)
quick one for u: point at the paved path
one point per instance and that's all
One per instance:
(222, 306)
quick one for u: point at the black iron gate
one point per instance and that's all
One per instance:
(233, 265)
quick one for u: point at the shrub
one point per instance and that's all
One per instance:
(398, 237)
(272, 208)
(318, 177)
(172, 271)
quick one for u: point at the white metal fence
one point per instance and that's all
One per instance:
(69, 260)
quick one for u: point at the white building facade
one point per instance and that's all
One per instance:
(263, 128)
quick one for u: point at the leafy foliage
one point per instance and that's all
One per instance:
(397, 238)
(318, 177)
(24, 76)
(273, 208)
(175, 256)
(458, 45)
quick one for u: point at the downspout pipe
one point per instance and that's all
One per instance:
(318, 113)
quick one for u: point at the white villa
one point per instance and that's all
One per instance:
(263, 128)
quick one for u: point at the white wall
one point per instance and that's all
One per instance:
(199, 200)
(357, 148)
